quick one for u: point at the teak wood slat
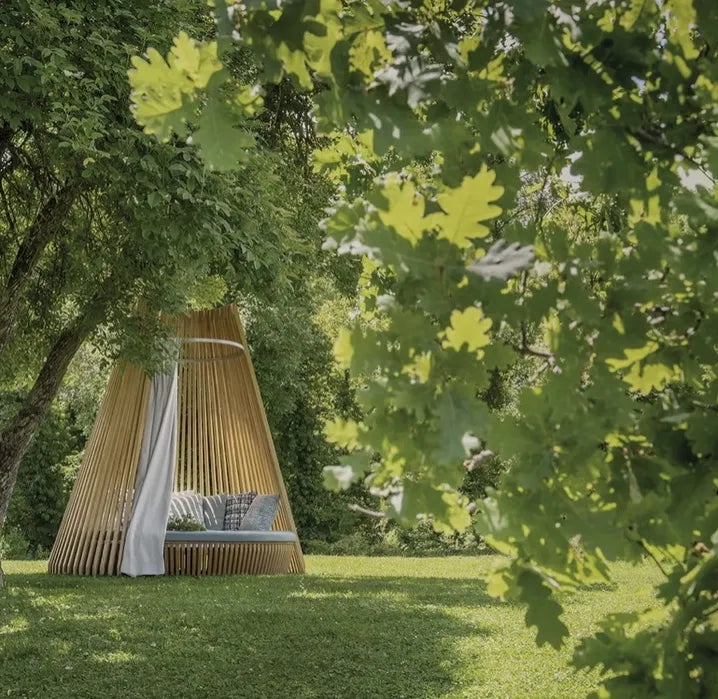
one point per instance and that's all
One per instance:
(224, 445)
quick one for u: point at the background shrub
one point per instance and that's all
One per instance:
(13, 543)
(44, 481)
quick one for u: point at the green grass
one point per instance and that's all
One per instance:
(352, 627)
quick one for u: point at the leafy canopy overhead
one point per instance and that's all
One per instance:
(467, 136)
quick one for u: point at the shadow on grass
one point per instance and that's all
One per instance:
(286, 636)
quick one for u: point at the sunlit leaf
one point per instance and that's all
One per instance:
(465, 207)
(469, 328)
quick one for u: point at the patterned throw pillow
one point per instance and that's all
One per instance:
(237, 506)
(261, 513)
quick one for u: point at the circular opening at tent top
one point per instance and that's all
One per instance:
(209, 349)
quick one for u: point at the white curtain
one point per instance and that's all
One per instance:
(144, 540)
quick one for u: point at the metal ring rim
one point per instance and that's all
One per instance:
(212, 341)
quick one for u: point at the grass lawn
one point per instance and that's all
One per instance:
(352, 627)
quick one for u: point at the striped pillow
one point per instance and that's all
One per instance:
(215, 507)
(187, 504)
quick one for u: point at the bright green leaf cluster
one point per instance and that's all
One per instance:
(166, 98)
(164, 92)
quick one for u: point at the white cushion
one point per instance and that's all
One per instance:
(188, 503)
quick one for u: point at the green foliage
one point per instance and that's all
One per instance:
(184, 523)
(586, 131)
(163, 94)
(45, 478)
(48, 470)
(388, 539)
(13, 543)
(161, 90)
(303, 451)
(141, 221)
(83, 388)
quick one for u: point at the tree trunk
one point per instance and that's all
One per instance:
(17, 435)
(36, 238)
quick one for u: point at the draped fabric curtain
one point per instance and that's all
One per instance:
(144, 540)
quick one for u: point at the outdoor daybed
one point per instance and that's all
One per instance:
(200, 427)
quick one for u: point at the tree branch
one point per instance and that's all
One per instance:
(37, 236)
(642, 544)
(354, 507)
(524, 348)
(18, 433)
(8, 210)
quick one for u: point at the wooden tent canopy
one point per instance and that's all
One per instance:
(224, 445)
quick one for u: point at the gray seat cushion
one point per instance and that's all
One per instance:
(214, 508)
(261, 513)
(219, 536)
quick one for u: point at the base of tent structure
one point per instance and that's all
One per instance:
(228, 558)
(202, 558)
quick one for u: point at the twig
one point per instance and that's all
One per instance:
(477, 460)
(531, 351)
(540, 214)
(537, 375)
(652, 555)
(354, 507)
(524, 348)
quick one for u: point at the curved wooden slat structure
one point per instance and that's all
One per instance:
(224, 446)
(227, 558)
(90, 540)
